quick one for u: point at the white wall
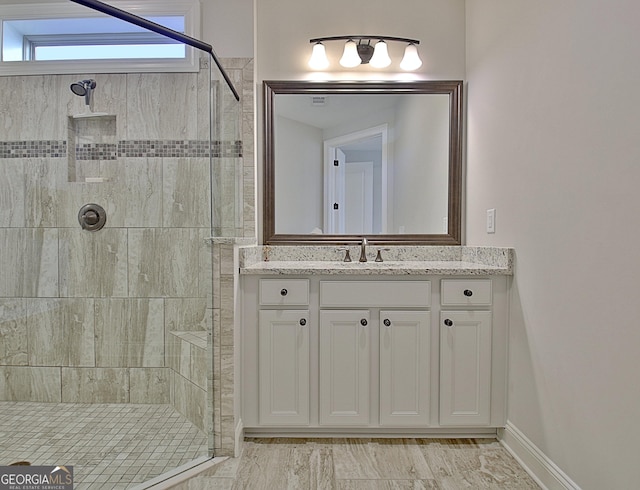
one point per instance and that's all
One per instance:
(299, 185)
(554, 146)
(228, 26)
(422, 131)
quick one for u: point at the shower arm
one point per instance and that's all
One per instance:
(159, 29)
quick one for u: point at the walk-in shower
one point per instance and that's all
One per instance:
(106, 335)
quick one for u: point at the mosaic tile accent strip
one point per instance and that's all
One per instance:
(33, 149)
(124, 148)
(97, 151)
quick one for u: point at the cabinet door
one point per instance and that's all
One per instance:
(283, 360)
(345, 345)
(465, 367)
(404, 368)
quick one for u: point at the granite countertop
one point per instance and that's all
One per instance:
(415, 261)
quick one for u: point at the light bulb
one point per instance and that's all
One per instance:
(411, 60)
(380, 58)
(350, 57)
(318, 60)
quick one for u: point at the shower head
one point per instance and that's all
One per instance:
(83, 88)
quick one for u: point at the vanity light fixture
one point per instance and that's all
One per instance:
(359, 50)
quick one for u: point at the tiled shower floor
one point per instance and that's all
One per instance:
(110, 446)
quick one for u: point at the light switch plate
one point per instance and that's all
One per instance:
(491, 220)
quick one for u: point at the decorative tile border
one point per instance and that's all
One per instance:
(123, 149)
(33, 149)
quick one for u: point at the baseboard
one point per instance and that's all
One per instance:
(544, 471)
(341, 433)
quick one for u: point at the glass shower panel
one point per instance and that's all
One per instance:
(105, 336)
(226, 163)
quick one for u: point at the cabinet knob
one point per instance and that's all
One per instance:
(283, 292)
(468, 292)
(303, 322)
(364, 322)
(387, 322)
(448, 323)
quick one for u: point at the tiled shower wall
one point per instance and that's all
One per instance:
(98, 316)
(240, 71)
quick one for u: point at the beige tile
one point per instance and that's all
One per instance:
(185, 315)
(197, 406)
(226, 380)
(284, 466)
(476, 467)
(108, 97)
(12, 198)
(34, 384)
(172, 352)
(29, 262)
(141, 192)
(41, 117)
(149, 385)
(227, 311)
(131, 193)
(199, 366)
(61, 332)
(386, 484)
(95, 385)
(164, 262)
(367, 459)
(129, 332)
(189, 400)
(227, 437)
(13, 332)
(44, 179)
(184, 364)
(149, 116)
(186, 194)
(93, 264)
(204, 94)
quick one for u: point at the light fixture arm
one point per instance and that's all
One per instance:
(361, 37)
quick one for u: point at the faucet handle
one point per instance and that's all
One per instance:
(379, 254)
(347, 257)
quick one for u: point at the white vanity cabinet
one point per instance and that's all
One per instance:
(374, 354)
(404, 368)
(465, 352)
(345, 367)
(374, 363)
(283, 352)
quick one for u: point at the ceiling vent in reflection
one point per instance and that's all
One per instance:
(318, 101)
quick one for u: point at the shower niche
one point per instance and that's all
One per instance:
(92, 143)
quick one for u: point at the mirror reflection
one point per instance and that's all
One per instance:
(347, 161)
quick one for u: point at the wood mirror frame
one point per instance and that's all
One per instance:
(451, 88)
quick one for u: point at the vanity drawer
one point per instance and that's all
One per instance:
(284, 292)
(375, 293)
(465, 292)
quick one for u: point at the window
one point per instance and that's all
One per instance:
(70, 38)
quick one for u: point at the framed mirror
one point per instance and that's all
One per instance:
(350, 159)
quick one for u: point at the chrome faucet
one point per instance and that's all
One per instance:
(363, 249)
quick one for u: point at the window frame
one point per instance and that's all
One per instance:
(189, 9)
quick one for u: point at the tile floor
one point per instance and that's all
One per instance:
(110, 446)
(366, 464)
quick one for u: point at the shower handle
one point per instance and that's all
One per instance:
(92, 217)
